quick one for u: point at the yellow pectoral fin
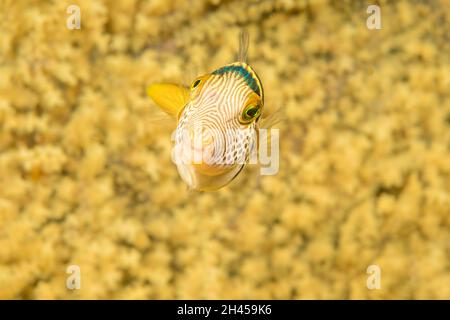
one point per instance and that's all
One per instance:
(171, 98)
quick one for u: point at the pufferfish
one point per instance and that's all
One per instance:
(218, 120)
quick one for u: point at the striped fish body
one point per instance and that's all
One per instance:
(217, 122)
(217, 129)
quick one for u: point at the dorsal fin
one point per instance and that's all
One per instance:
(242, 68)
(243, 46)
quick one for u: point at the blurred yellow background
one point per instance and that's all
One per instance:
(86, 176)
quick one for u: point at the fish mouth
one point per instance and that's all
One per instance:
(198, 180)
(204, 164)
(198, 167)
(201, 159)
(201, 165)
(195, 155)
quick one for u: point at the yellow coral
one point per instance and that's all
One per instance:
(86, 176)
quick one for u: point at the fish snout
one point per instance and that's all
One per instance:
(200, 141)
(202, 151)
(195, 147)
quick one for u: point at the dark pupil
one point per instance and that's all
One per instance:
(196, 83)
(252, 112)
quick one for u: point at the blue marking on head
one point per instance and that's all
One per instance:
(242, 72)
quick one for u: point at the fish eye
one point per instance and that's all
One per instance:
(250, 112)
(195, 84)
